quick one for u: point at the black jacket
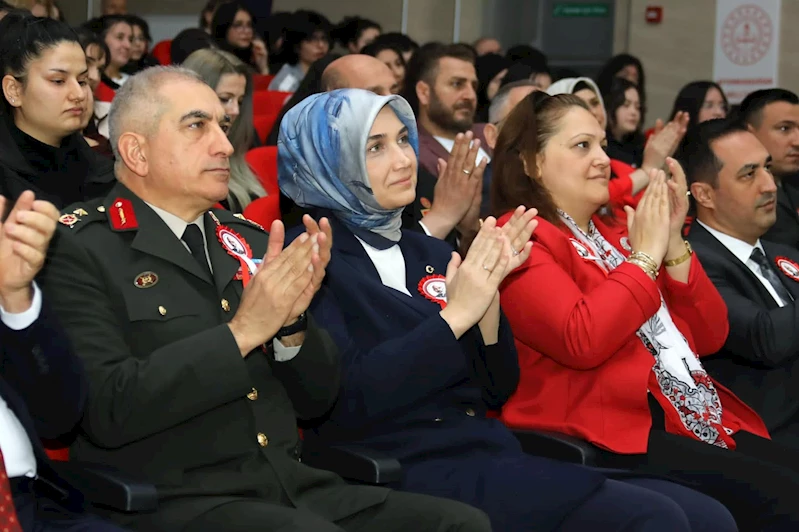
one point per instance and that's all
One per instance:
(760, 359)
(19, 172)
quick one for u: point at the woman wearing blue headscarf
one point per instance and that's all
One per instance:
(426, 352)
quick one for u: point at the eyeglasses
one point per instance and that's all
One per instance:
(241, 25)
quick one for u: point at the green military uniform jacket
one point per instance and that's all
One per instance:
(171, 399)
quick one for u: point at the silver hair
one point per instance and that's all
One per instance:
(139, 103)
(497, 110)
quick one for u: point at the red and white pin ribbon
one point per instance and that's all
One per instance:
(434, 288)
(236, 247)
(788, 267)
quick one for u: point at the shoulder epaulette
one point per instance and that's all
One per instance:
(80, 215)
(256, 224)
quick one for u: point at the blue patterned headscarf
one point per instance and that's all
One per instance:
(322, 156)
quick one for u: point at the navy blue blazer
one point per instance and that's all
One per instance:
(404, 373)
(43, 383)
(413, 392)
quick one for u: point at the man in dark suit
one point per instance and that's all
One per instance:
(200, 359)
(773, 116)
(441, 86)
(736, 203)
(42, 386)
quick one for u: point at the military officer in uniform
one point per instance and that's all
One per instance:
(199, 358)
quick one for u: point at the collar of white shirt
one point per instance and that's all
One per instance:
(176, 224)
(450, 143)
(742, 250)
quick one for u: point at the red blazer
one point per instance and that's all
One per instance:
(584, 371)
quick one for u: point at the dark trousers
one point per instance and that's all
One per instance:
(400, 512)
(37, 513)
(758, 482)
(649, 505)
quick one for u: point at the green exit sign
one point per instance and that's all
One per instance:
(580, 10)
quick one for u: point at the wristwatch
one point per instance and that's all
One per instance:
(298, 326)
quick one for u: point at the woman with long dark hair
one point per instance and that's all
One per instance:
(307, 39)
(45, 101)
(233, 29)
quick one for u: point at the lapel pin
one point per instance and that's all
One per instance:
(429, 269)
(434, 288)
(80, 212)
(788, 267)
(68, 219)
(145, 280)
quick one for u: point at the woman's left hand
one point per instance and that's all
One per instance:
(260, 56)
(678, 196)
(517, 232)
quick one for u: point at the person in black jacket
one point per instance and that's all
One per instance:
(736, 204)
(45, 95)
(773, 116)
(42, 385)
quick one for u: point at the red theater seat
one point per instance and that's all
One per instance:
(263, 162)
(162, 52)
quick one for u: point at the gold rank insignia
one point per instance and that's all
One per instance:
(79, 212)
(256, 224)
(145, 280)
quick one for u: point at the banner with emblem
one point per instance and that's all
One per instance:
(747, 46)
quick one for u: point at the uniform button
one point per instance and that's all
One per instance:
(470, 412)
(253, 395)
(225, 305)
(263, 441)
(161, 310)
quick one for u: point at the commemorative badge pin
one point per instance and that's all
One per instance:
(146, 280)
(434, 288)
(788, 267)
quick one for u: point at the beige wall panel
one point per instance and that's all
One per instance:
(431, 20)
(675, 52)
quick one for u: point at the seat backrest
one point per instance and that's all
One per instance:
(162, 52)
(268, 102)
(260, 82)
(104, 93)
(263, 162)
(263, 210)
(263, 125)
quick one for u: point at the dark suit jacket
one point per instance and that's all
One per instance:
(410, 390)
(786, 229)
(430, 151)
(43, 384)
(171, 398)
(760, 359)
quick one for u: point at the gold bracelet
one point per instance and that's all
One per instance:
(651, 272)
(682, 258)
(645, 258)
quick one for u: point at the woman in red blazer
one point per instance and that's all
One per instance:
(610, 323)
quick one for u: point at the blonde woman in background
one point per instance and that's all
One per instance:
(231, 80)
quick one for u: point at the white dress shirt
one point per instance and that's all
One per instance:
(743, 251)
(14, 442)
(178, 226)
(450, 143)
(390, 266)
